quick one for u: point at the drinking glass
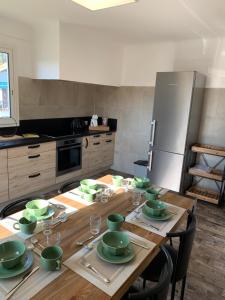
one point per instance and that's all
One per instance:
(136, 198)
(54, 239)
(127, 184)
(47, 231)
(95, 224)
(107, 193)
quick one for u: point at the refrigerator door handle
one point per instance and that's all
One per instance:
(151, 143)
(150, 161)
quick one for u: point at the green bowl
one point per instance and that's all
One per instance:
(117, 180)
(115, 242)
(155, 208)
(141, 182)
(87, 193)
(89, 183)
(12, 253)
(151, 194)
(37, 207)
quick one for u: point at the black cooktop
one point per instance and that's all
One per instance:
(62, 135)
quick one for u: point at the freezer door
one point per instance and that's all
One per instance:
(165, 169)
(171, 110)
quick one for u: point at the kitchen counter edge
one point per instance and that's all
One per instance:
(44, 139)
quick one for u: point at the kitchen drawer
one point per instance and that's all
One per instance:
(95, 137)
(3, 161)
(4, 196)
(19, 166)
(108, 136)
(95, 145)
(32, 182)
(31, 149)
(108, 146)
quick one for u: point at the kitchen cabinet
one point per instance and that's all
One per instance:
(31, 149)
(31, 168)
(4, 195)
(28, 169)
(98, 152)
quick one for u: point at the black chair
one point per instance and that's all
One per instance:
(160, 290)
(14, 207)
(180, 257)
(68, 186)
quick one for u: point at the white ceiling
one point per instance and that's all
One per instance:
(143, 21)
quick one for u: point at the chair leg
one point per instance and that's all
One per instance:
(183, 288)
(173, 290)
(144, 283)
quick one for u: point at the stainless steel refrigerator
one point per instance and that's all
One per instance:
(174, 128)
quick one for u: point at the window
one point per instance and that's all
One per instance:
(8, 103)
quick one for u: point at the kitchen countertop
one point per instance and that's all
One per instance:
(42, 139)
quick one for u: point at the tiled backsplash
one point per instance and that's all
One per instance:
(41, 99)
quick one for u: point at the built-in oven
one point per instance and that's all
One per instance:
(69, 155)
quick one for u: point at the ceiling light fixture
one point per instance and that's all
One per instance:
(101, 4)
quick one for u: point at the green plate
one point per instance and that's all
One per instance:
(49, 214)
(166, 216)
(18, 269)
(113, 259)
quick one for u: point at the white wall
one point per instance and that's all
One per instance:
(87, 55)
(141, 62)
(18, 36)
(46, 50)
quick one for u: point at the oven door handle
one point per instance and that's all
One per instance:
(69, 148)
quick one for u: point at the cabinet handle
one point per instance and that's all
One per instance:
(96, 136)
(152, 133)
(150, 161)
(33, 146)
(108, 141)
(96, 143)
(34, 156)
(86, 143)
(110, 133)
(34, 175)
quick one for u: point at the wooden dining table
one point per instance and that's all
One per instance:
(71, 286)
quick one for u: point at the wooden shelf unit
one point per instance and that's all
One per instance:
(209, 149)
(203, 194)
(216, 175)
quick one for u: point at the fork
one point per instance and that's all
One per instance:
(93, 269)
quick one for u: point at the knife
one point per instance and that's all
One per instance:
(139, 244)
(12, 292)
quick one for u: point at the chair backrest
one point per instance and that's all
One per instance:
(68, 186)
(14, 207)
(160, 290)
(185, 247)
